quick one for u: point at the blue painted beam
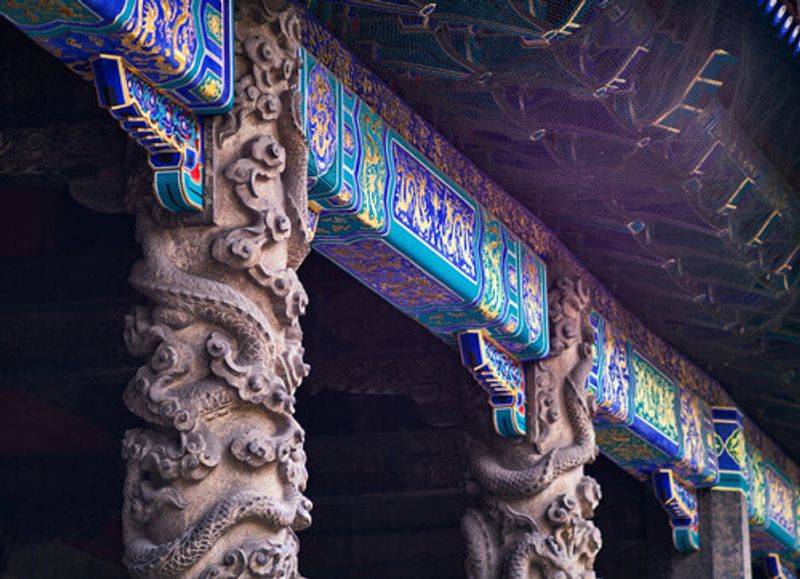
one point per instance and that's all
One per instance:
(184, 49)
(156, 65)
(392, 219)
(654, 406)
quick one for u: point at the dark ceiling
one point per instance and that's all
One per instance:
(660, 140)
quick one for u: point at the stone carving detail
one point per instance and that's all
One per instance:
(216, 479)
(534, 501)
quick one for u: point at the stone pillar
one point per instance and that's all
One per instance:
(725, 534)
(216, 478)
(534, 501)
(724, 541)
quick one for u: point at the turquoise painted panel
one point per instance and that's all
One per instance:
(666, 425)
(396, 222)
(655, 406)
(781, 510)
(185, 49)
(794, 555)
(757, 499)
(773, 508)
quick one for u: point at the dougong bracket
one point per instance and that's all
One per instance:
(171, 134)
(503, 378)
(157, 66)
(680, 503)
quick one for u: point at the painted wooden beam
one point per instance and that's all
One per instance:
(157, 67)
(398, 224)
(184, 49)
(171, 134)
(655, 407)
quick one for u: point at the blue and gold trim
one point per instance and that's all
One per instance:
(645, 419)
(156, 66)
(501, 376)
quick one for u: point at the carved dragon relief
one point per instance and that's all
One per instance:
(215, 480)
(534, 501)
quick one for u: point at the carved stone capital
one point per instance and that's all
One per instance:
(216, 477)
(533, 500)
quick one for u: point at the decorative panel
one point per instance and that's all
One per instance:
(794, 555)
(697, 462)
(781, 511)
(757, 483)
(182, 48)
(731, 449)
(773, 511)
(646, 421)
(655, 406)
(610, 375)
(396, 222)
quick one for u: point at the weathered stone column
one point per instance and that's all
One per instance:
(534, 500)
(215, 480)
(725, 533)
(724, 541)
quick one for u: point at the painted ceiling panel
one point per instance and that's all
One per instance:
(660, 139)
